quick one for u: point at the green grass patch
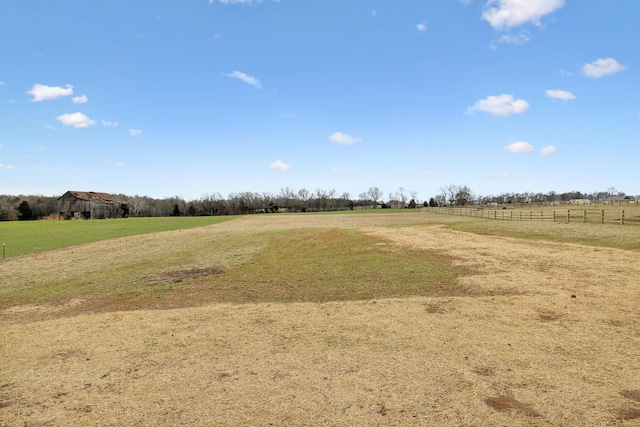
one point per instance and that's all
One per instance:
(27, 237)
(285, 266)
(335, 265)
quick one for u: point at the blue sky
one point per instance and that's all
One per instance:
(192, 97)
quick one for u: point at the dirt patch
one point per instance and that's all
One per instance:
(509, 403)
(631, 394)
(549, 316)
(628, 414)
(182, 275)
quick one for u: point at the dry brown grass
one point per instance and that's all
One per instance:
(523, 352)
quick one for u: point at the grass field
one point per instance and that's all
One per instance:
(341, 319)
(26, 237)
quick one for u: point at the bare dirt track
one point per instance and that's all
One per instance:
(550, 336)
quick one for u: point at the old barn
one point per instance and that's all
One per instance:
(91, 205)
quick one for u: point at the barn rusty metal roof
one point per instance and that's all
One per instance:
(94, 196)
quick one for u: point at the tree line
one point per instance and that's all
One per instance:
(24, 207)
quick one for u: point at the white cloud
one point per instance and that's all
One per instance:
(422, 26)
(278, 164)
(135, 132)
(6, 166)
(432, 171)
(1, 83)
(245, 78)
(42, 92)
(559, 94)
(505, 14)
(336, 170)
(602, 67)
(500, 105)
(109, 124)
(549, 149)
(343, 138)
(77, 120)
(80, 99)
(519, 147)
(517, 39)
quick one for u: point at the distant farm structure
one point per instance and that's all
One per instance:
(91, 205)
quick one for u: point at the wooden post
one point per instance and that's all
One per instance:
(568, 216)
(554, 215)
(621, 216)
(584, 215)
(602, 220)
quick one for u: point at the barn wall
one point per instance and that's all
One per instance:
(70, 205)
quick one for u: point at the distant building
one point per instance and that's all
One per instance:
(91, 205)
(579, 202)
(619, 200)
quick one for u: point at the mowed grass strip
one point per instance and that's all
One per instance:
(334, 265)
(27, 237)
(280, 266)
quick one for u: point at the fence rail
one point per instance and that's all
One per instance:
(601, 216)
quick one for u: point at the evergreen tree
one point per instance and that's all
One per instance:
(24, 211)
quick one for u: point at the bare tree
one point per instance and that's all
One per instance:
(375, 194)
(448, 193)
(136, 205)
(402, 196)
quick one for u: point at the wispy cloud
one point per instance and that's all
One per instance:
(422, 26)
(109, 124)
(549, 149)
(432, 171)
(602, 67)
(506, 14)
(279, 164)
(77, 120)
(245, 78)
(519, 147)
(343, 138)
(82, 99)
(337, 171)
(500, 105)
(1, 83)
(562, 95)
(516, 39)
(135, 132)
(43, 92)
(2, 166)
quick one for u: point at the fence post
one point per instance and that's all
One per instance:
(568, 216)
(554, 215)
(584, 215)
(602, 221)
(621, 216)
